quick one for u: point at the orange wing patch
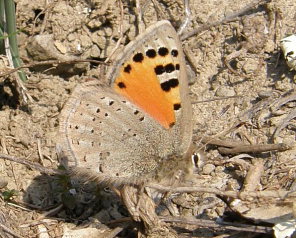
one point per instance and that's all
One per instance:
(145, 80)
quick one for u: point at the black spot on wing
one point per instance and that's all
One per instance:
(177, 106)
(138, 57)
(174, 53)
(121, 85)
(127, 69)
(169, 68)
(167, 85)
(151, 53)
(163, 51)
(159, 69)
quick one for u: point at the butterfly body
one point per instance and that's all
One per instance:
(130, 130)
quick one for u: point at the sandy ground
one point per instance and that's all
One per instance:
(257, 77)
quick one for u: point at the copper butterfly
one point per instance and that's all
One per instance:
(140, 126)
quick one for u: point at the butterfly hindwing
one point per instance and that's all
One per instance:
(107, 138)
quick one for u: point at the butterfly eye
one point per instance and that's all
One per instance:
(197, 160)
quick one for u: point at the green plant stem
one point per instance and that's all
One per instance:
(12, 36)
(2, 45)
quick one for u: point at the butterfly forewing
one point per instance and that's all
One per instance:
(149, 74)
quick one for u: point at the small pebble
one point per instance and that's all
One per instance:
(225, 92)
(95, 51)
(264, 94)
(208, 168)
(3, 182)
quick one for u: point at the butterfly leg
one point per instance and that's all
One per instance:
(142, 209)
(129, 197)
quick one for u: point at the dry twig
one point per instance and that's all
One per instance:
(219, 225)
(9, 231)
(48, 62)
(31, 165)
(255, 148)
(235, 147)
(227, 19)
(272, 194)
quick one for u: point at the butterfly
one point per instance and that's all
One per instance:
(138, 126)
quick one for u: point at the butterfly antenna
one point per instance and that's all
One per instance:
(187, 18)
(139, 17)
(120, 31)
